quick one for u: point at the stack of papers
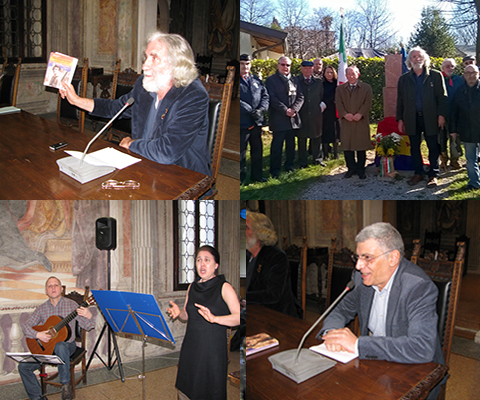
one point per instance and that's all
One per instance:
(108, 156)
(9, 110)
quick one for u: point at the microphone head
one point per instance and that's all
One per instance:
(350, 285)
(130, 101)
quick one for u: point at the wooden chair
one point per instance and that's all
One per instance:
(9, 82)
(340, 271)
(219, 109)
(68, 114)
(431, 242)
(80, 353)
(297, 257)
(122, 84)
(447, 276)
(204, 64)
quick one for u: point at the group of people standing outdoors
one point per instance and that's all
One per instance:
(301, 106)
(438, 106)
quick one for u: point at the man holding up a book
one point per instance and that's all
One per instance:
(170, 110)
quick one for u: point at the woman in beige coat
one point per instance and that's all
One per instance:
(354, 100)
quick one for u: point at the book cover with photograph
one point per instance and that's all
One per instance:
(260, 342)
(60, 69)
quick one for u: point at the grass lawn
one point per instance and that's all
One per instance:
(290, 185)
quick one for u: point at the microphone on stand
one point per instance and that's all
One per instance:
(84, 173)
(128, 103)
(311, 364)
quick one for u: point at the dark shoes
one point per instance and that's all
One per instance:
(348, 174)
(362, 175)
(67, 392)
(415, 179)
(432, 182)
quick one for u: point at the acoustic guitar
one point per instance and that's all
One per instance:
(58, 329)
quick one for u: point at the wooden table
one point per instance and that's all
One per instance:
(358, 379)
(28, 168)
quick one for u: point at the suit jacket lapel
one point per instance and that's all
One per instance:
(366, 309)
(394, 299)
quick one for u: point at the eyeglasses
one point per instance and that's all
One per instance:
(113, 184)
(367, 259)
(285, 65)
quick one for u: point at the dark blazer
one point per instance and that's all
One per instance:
(310, 113)
(270, 284)
(181, 125)
(411, 325)
(281, 100)
(434, 96)
(466, 113)
(254, 101)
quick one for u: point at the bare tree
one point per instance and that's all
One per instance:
(258, 12)
(375, 22)
(463, 19)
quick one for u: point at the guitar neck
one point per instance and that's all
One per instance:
(70, 317)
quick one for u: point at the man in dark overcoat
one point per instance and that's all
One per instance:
(286, 100)
(466, 122)
(254, 101)
(311, 116)
(422, 108)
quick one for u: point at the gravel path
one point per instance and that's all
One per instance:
(335, 187)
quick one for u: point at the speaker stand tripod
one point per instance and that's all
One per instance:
(110, 338)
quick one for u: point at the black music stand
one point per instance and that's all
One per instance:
(134, 313)
(42, 359)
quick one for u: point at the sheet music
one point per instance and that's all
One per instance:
(29, 357)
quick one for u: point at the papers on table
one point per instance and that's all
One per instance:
(9, 110)
(106, 157)
(342, 356)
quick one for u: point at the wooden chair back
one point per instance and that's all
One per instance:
(68, 114)
(223, 93)
(9, 82)
(122, 84)
(297, 257)
(447, 276)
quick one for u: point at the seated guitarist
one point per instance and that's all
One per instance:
(59, 306)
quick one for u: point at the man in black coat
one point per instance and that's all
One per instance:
(311, 116)
(254, 101)
(268, 268)
(422, 108)
(466, 120)
(286, 100)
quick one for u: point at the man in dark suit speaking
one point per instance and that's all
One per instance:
(395, 302)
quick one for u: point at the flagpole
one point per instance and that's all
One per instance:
(342, 55)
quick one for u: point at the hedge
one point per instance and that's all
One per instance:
(372, 71)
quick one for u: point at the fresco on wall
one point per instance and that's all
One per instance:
(222, 24)
(39, 239)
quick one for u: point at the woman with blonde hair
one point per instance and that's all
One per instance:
(268, 270)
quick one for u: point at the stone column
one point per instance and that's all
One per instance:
(144, 239)
(393, 71)
(16, 336)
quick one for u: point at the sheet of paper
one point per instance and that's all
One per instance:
(342, 356)
(9, 110)
(107, 156)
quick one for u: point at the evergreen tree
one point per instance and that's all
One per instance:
(433, 34)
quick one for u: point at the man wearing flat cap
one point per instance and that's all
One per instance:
(286, 100)
(311, 115)
(469, 60)
(254, 101)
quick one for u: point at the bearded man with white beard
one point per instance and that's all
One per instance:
(422, 108)
(170, 110)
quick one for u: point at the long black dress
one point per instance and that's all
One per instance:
(202, 368)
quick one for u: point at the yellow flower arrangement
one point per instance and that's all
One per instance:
(387, 146)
